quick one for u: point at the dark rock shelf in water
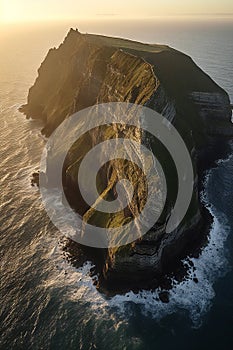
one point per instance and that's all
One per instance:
(88, 69)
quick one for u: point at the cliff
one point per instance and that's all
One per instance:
(90, 69)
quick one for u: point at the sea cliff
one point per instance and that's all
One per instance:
(89, 69)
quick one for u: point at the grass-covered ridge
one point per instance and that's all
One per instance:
(87, 69)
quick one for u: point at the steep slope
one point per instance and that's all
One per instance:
(89, 69)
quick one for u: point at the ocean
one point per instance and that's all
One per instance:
(45, 302)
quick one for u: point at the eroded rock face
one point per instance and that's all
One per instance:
(90, 69)
(213, 109)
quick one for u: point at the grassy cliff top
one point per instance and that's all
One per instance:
(127, 44)
(178, 73)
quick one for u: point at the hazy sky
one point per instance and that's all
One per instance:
(28, 10)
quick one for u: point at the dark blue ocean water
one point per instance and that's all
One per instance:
(48, 304)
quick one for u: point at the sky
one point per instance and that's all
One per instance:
(37, 10)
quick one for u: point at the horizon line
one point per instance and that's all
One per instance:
(103, 16)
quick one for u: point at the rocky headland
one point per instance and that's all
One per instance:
(90, 69)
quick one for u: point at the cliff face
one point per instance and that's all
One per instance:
(89, 69)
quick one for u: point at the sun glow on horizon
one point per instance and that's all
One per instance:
(46, 10)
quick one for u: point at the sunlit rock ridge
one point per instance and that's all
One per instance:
(89, 69)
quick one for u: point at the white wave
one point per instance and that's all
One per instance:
(192, 297)
(24, 176)
(188, 295)
(228, 159)
(78, 283)
(223, 161)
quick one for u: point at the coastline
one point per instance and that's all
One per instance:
(213, 103)
(173, 269)
(50, 304)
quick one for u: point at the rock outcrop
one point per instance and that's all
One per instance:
(90, 69)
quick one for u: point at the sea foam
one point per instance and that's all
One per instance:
(189, 296)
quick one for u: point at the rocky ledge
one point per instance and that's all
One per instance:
(90, 69)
